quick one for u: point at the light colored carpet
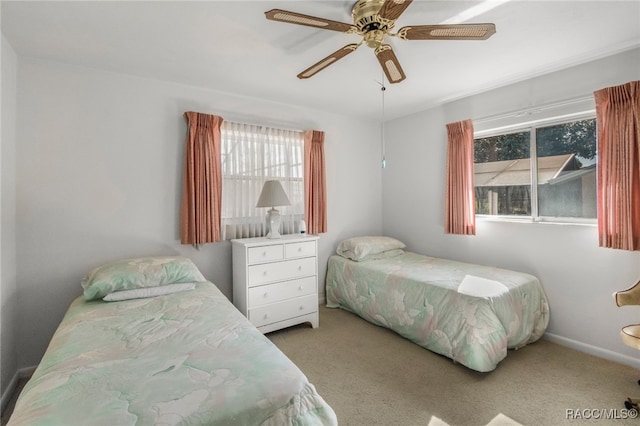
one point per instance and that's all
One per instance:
(372, 376)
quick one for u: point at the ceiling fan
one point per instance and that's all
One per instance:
(373, 20)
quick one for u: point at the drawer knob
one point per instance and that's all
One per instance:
(300, 268)
(300, 288)
(264, 273)
(266, 295)
(302, 308)
(266, 316)
(299, 249)
(264, 254)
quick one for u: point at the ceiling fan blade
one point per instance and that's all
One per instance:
(324, 63)
(390, 64)
(447, 32)
(392, 9)
(310, 21)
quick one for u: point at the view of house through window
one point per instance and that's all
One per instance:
(563, 184)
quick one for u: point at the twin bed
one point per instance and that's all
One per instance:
(152, 342)
(174, 351)
(469, 313)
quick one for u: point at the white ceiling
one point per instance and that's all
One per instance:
(230, 46)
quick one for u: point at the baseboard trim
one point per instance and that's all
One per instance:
(8, 393)
(322, 300)
(594, 350)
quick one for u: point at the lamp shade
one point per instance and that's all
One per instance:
(272, 195)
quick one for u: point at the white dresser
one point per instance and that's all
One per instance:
(275, 281)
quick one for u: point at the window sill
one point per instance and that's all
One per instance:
(541, 221)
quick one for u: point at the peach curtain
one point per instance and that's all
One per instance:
(202, 180)
(618, 121)
(315, 192)
(460, 217)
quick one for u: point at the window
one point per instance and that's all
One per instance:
(546, 171)
(250, 156)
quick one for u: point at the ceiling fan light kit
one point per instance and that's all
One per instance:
(374, 20)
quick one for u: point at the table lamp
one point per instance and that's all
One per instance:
(273, 195)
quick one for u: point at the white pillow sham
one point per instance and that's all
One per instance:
(142, 293)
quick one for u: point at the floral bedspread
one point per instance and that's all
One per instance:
(469, 313)
(187, 358)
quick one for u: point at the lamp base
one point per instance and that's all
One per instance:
(274, 224)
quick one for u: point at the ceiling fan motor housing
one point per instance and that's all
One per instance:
(366, 18)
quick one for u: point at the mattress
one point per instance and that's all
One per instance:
(470, 313)
(184, 358)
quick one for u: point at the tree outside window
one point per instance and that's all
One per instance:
(563, 185)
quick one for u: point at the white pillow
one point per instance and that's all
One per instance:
(141, 293)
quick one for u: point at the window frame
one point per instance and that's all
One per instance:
(531, 126)
(261, 137)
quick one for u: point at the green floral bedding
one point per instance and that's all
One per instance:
(469, 313)
(187, 358)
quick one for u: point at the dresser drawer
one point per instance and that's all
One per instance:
(272, 293)
(280, 271)
(287, 309)
(304, 249)
(265, 254)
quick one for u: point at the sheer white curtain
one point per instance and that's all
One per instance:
(252, 155)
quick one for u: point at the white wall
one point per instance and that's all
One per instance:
(98, 162)
(99, 167)
(8, 290)
(578, 276)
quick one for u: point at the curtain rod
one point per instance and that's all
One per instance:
(532, 110)
(235, 120)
